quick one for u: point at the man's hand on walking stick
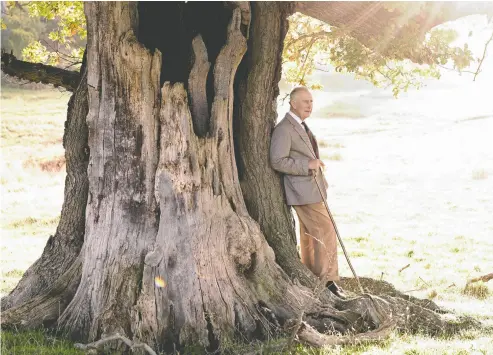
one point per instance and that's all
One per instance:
(315, 165)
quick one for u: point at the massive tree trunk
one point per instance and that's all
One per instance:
(165, 202)
(184, 241)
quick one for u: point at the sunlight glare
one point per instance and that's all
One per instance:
(159, 281)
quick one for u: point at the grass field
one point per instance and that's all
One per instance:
(33, 174)
(409, 184)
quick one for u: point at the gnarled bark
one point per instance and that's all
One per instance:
(44, 308)
(165, 210)
(121, 215)
(197, 87)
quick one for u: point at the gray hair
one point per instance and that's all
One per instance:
(295, 91)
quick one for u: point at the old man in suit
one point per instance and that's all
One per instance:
(294, 153)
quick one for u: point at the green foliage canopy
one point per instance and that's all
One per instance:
(312, 44)
(19, 30)
(309, 44)
(67, 32)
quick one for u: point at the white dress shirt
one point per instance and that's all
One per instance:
(296, 118)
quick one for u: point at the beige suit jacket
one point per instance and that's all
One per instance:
(290, 152)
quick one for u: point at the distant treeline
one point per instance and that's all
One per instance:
(19, 30)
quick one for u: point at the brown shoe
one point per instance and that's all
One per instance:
(336, 290)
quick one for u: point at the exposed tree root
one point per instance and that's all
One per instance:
(365, 318)
(309, 336)
(131, 344)
(412, 314)
(372, 318)
(383, 288)
(369, 318)
(45, 308)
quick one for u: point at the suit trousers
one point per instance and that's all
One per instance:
(318, 241)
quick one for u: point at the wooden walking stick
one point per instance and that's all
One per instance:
(337, 233)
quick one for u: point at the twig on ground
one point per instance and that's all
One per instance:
(484, 278)
(404, 268)
(131, 344)
(426, 283)
(452, 285)
(416, 289)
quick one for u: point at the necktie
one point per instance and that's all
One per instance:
(312, 139)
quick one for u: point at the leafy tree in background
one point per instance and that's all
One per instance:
(309, 44)
(312, 44)
(49, 32)
(19, 29)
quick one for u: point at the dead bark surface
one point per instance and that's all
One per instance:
(44, 308)
(197, 87)
(166, 203)
(121, 214)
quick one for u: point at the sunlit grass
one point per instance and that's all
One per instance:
(342, 109)
(34, 222)
(322, 143)
(479, 174)
(431, 269)
(33, 174)
(333, 156)
(478, 290)
(466, 342)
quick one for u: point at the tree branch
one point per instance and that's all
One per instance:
(303, 66)
(371, 23)
(131, 344)
(40, 73)
(482, 58)
(67, 57)
(455, 70)
(310, 36)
